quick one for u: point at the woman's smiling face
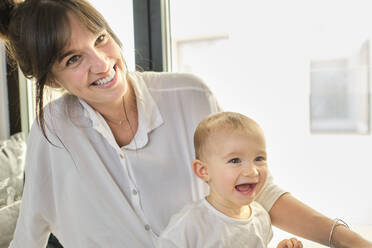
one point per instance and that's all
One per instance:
(91, 66)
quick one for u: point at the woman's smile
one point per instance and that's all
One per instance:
(108, 81)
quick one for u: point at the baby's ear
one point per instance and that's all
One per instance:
(201, 170)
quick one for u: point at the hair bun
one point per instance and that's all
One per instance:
(6, 7)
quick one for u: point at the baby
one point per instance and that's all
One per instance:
(231, 157)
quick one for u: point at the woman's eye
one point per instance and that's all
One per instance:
(72, 60)
(235, 160)
(101, 38)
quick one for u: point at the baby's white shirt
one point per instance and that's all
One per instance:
(200, 225)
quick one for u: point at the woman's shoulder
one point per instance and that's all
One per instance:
(172, 81)
(63, 108)
(59, 104)
(59, 114)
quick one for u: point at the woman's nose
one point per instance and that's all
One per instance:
(99, 62)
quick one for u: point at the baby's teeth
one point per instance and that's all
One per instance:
(107, 79)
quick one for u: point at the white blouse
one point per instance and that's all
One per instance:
(90, 192)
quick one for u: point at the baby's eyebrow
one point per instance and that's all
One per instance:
(230, 154)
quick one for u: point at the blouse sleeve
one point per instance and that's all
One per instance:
(214, 105)
(269, 194)
(165, 243)
(37, 204)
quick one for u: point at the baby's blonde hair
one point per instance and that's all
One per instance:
(218, 122)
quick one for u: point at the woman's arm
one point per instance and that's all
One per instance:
(295, 217)
(37, 204)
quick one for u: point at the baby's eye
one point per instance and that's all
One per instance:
(260, 158)
(235, 161)
(72, 60)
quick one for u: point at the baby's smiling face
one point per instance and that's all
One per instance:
(236, 167)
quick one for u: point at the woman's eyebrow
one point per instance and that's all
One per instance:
(65, 55)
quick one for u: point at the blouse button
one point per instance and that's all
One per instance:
(134, 192)
(121, 155)
(147, 227)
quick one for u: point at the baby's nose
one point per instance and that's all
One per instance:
(250, 170)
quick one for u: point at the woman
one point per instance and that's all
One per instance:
(109, 162)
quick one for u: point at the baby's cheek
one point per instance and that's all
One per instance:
(263, 178)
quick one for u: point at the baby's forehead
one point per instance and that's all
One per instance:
(220, 135)
(229, 141)
(224, 127)
(229, 120)
(225, 132)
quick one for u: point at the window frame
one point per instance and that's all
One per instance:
(152, 35)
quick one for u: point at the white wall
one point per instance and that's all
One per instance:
(264, 73)
(119, 15)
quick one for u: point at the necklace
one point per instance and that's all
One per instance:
(128, 137)
(119, 123)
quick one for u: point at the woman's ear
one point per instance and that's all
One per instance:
(53, 82)
(54, 85)
(201, 170)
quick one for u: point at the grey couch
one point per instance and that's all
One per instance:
(12, 158)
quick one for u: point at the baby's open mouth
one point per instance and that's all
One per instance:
(246, 187)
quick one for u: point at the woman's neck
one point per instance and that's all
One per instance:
(122, 118)
(121, 108)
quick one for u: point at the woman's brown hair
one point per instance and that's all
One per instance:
(37, 31)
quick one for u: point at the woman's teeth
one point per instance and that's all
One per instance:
(106, 79)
